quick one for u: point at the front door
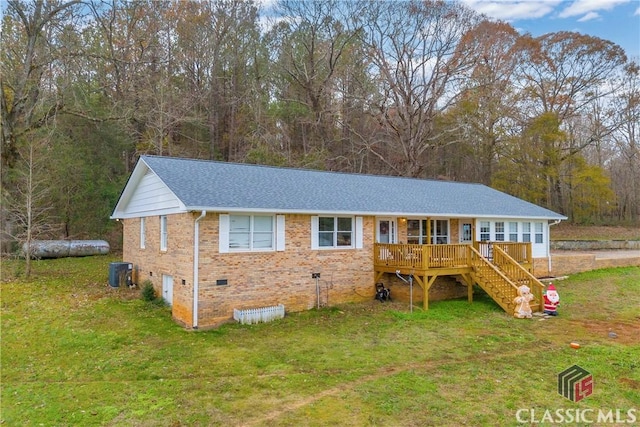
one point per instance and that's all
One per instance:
(466, 232)
(167, 288)
(387, 231)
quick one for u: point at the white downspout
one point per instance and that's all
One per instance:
(196, 258)
(556, 222)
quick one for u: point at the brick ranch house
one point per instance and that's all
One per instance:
(213, 237)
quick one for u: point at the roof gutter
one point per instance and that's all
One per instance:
(196, 264)
(443, 215)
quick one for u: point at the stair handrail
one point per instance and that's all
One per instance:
(537, 287)
(485, 261)
(474, 255)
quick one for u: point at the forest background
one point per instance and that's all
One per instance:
(425, 89)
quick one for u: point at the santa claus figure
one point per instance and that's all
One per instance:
(551, 300)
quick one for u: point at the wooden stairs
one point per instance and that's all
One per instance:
(501, 279)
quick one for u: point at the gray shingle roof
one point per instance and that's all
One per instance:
(220, 186)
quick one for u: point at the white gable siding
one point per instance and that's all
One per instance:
(152, 197)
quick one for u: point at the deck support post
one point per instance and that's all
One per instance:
(429, 280)
(378, 276)
(467, 279)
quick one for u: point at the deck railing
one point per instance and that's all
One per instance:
(521, 252)
(514, 270)
(424, 257)
(497, 267)
(420, 257)
(493, 280)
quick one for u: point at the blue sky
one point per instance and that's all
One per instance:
(614, 20)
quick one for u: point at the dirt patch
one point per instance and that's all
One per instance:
(627, 333)
(565, 231)
(633, 384)
(423, 366)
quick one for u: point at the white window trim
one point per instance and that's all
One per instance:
(433, 224)
(530, 228)
(538, 228)
(225, 227)
(483, 232)
(461, 238)
(526, 231)
(499, 231)
(280, 233)
(513, 232)
(435, 236)
(357, 241)
(143, 241)
(164, 233)
(422, 232)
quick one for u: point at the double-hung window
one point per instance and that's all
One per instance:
(539, 232)
(164, 234)
(526, 232)
(336, 232)
(251, 232)
(142, 233)
(513, 231)
(485, 231)
(499, 231)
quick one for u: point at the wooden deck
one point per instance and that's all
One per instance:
(456, 257)
(511, 261)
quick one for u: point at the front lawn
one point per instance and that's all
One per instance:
(77, 352)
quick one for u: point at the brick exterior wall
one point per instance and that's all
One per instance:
(259, 279)
(254, 279)
(444, 287)
(151, 263)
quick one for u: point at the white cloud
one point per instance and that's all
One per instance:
(513, 9)
(584, 7)
(589, 17)
(637, 11)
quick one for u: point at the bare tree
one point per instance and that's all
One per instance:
(29, 204)
(625, 165)
(482, 120)
(26, 59)
(415, 51)
(30, 100)
(313, 44)
(563, 74)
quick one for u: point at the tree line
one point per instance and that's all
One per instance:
(426, 89)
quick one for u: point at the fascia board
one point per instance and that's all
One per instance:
(137, 175)
(223, 209)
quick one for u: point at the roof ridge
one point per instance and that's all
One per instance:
(300, 169)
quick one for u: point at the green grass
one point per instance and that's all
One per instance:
(76, 352)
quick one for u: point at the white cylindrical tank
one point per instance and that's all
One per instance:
(66, 248)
